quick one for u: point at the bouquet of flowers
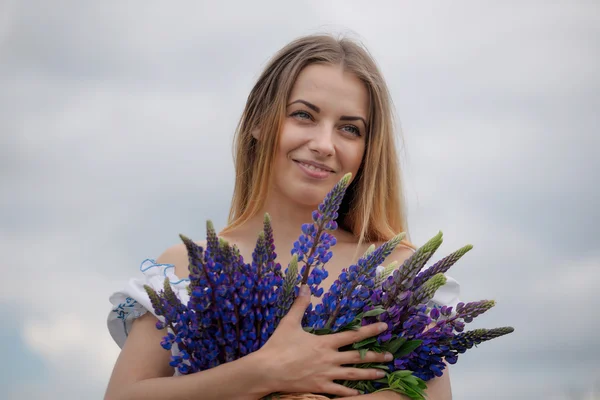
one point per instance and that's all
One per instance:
(235, 306)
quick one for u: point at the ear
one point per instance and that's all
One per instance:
(256, 133)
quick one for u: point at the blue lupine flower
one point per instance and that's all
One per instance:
(234, 306)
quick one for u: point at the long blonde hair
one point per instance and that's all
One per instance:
(373, 209)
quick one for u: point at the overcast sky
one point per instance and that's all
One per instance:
(116, 124)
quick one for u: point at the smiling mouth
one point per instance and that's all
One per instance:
(312, 167)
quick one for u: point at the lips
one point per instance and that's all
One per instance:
(312, 171)
(315, 166)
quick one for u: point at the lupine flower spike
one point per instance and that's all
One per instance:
(235, 306)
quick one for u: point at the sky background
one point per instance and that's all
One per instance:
(116, 126)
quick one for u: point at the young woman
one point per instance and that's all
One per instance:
(319, 110)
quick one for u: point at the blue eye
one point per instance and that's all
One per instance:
(301, 115)
(353, 130)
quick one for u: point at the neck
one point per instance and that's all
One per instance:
(286, 219)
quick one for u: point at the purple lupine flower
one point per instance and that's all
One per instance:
(427, 361)
(404, 276)
(442, 265)
(234, 306)
(229, 292)
(313, 245)
(426, 291)
(269, 282)
(466, 340)
(435, 313)
(313, 248)
(351, 291)
(175, 317)
(439, 342)
(206, 277)
(288, 292)
(471, 310)
(212, 242)
(416, 322)
(270, 241)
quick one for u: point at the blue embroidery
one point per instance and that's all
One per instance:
(130, 308)
(124, 310)
(167, 266)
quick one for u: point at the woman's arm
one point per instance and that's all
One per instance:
(292, 360)
(142, 371)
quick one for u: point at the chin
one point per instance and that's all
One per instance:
(307, 195)
(311, 197)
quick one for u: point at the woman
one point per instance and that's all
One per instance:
(319, 110)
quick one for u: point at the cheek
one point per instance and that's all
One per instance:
(283, 152)
(288, 141)
(352, 157)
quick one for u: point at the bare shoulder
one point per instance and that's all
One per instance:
(177, 255)
(141, 357)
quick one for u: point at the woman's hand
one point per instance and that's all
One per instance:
(298, 361)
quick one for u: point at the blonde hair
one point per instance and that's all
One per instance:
(373, 209)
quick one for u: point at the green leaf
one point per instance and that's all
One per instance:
(370, 387)
(405, 383)
(393, 345)
(322, 331)
(363, 353)
(351, 326)
(411, 380)
(411, 393)
(401, 373)
(380, 366)
(412, 385)
(374, 312)
(363, 366)
(364, 342)
(407, 348)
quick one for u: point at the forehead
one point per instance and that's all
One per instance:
(330, 86)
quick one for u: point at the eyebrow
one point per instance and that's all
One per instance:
(351, 118)
(307, 104)
(318, 110)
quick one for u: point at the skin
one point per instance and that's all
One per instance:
(324, 123)
(321, 137)
(314, 131)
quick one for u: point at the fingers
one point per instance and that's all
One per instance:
(299, 306)
(353, 357)
(339, 390)
(348, 337)
(357, 374)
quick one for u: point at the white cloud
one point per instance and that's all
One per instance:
(74, 344)
(574, 279)
(519, 48)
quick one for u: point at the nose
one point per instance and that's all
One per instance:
(321, 142)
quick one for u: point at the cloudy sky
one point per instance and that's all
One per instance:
(116, 124)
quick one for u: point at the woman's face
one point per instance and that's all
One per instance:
(324, 133)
